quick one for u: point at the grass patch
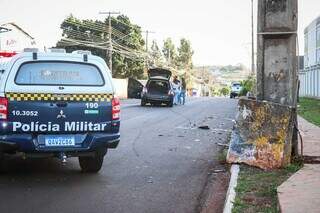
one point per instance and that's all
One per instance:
(310, 110)
(222, 155)
(257, 189)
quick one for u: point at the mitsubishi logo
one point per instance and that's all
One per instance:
(61, 115)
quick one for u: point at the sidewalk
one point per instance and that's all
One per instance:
(301, 192)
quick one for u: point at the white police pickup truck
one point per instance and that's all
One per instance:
(58, 105)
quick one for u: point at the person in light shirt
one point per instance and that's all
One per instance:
(176, 85)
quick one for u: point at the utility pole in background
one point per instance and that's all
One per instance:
(147, 37)
(109, 45)
(252, 40)
(147, 32)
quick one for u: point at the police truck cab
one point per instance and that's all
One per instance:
(58, 104)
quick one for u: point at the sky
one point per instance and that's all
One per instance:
(219, 30)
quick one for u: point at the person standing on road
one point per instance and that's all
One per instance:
(176, 89)
(182, 96)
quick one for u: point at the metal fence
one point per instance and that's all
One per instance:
(310, 82)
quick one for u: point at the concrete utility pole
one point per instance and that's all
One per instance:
(277, 58)
(109, 45)
(265, 135)
(277, 55)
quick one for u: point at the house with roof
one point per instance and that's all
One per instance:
(14, 39)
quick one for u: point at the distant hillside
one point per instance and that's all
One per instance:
(224, 75)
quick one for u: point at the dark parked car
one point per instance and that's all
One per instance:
(134, 88)
(158, 89)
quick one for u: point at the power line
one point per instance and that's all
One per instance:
(88, 26)
(77, 33)
(122, 50)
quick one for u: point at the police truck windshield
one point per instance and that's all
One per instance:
(59, 73)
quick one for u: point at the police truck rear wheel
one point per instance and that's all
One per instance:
(91, 164)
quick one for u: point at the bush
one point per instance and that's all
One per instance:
(247, 86)
(224, 91)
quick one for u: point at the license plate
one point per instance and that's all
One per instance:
(59, 141)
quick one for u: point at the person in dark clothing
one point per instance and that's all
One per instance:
(182, 98)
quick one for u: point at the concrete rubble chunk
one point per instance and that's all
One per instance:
(262, 134)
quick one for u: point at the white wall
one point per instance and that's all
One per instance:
(121, 87)
(310, 82)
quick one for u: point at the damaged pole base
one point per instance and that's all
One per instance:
(262, 135)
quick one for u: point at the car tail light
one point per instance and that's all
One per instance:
(144, 90)
(115, 108)
(3, 108)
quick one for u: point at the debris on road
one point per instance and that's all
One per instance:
(218, 171)
(221, 144)
(150, 179)
(205, 127)
(221, 130)
(173, 149)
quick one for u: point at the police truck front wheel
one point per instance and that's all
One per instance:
(92, 164)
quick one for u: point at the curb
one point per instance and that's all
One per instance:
(231, 194)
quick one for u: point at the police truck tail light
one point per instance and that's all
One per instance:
(3, 108)
(115, 108)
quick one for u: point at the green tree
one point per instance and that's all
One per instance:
(156, 58)
(224, 91)
(128, 54)
(169, 52)
(185, 54)
(248, 85)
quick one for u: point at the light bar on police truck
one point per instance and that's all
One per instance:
(6, 54)
(82, 52)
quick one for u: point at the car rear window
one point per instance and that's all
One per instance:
(59, 73)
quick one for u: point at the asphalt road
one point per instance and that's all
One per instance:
(161, 165)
